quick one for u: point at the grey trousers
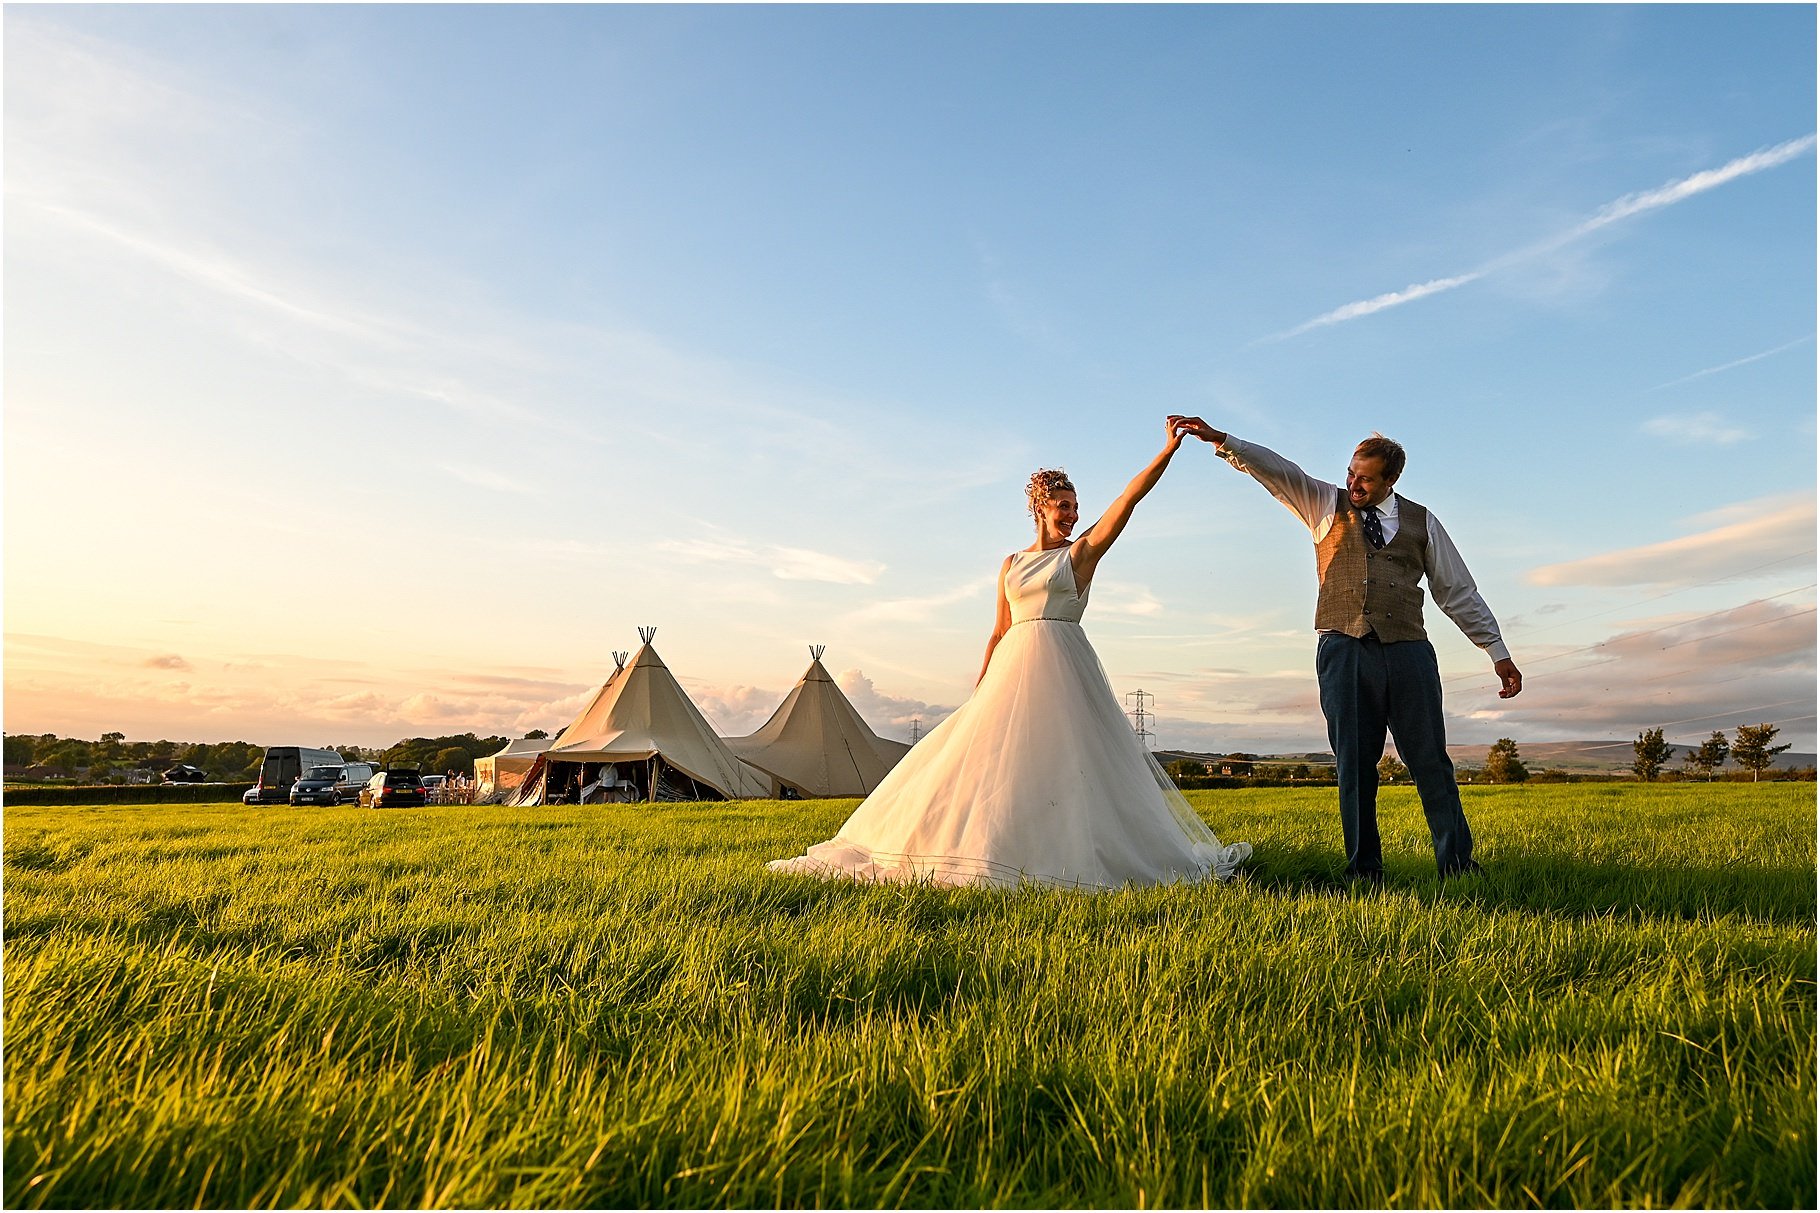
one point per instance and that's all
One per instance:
(1368, 686)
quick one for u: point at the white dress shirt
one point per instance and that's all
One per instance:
(1316, 502)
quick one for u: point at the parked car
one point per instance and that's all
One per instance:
(354, 776)
(434, 786)
(317, 786)
(183, 772)
(393, 789)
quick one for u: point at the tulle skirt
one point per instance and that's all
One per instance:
(1038, 778)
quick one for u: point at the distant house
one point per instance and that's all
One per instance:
(37, 773)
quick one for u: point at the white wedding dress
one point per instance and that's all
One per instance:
(1038, 778)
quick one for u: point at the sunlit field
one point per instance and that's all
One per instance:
(616, 1006)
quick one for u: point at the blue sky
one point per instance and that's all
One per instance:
(376, 371)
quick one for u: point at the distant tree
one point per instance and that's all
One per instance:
(1184, 768)
(1753, 750)
(1710, 756)
(1300, 771)
(21, 749)
(69, 754)
(453, 758)
(1502, 764)
(537, 733)
(1390, 770)
(1652, 752)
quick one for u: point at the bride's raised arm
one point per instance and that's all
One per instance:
(1087, 550)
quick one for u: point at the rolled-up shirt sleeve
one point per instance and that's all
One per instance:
(1451, 584)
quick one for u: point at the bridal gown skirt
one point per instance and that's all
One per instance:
(1038, 778)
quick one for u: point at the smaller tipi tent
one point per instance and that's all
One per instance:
(505, 770)
(641, 729)
(816, 744)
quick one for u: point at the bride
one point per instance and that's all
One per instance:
(1038, 778)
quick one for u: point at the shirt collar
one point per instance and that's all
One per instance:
(1387, 508)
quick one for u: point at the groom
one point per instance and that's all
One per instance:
(1374, 663)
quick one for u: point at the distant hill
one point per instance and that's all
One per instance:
(1598, 757)
(1574, 757)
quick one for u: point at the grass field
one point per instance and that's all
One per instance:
(217, 1006)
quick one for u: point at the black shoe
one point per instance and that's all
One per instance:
(1469, 868)
(1370, 876)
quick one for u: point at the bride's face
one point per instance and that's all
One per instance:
(1060, 513)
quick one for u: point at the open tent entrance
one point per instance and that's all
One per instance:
(640, 738)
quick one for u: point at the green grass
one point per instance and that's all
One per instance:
(615, 1006)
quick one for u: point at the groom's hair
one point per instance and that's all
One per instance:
(1379, 447)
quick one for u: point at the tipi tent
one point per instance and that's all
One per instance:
(642, 736)
(816, 744)
(505, 770)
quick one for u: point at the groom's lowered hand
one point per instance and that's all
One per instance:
(1194, 425)
(1513, 678)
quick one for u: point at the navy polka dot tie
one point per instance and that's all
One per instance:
(1374, 527)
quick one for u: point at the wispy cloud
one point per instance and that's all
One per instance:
(1628, 206)
(1743, 539)
(922, 609)
(785, 563)
(1689, 676)
(1365, 307)
(1696, 429)
(486, 478)
(1714, 370)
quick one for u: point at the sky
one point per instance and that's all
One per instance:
(375, 372)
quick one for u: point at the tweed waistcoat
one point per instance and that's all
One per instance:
(1372, 591)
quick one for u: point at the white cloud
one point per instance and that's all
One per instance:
(1687, 675)
(1738, 362)
(889, 715)
(1623, 208)
(1746, 537)
(486, 478)
(922, 609)
(1696, 429)
(1113, 597)
(785, 563)
(1365, 307)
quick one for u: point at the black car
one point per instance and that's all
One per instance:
(317, 786)
(393, 790)
(183, 772)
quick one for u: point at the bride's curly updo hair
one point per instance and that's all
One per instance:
(1044, 484)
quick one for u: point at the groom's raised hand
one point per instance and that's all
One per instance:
(1194, 425)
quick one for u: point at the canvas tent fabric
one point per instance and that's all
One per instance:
(818, 744)
(506, 769)
(643, 712)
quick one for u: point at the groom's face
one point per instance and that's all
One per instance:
(1365, 481)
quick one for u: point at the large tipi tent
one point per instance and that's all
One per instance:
(505, 770)
(816, 744)
(640, 733)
